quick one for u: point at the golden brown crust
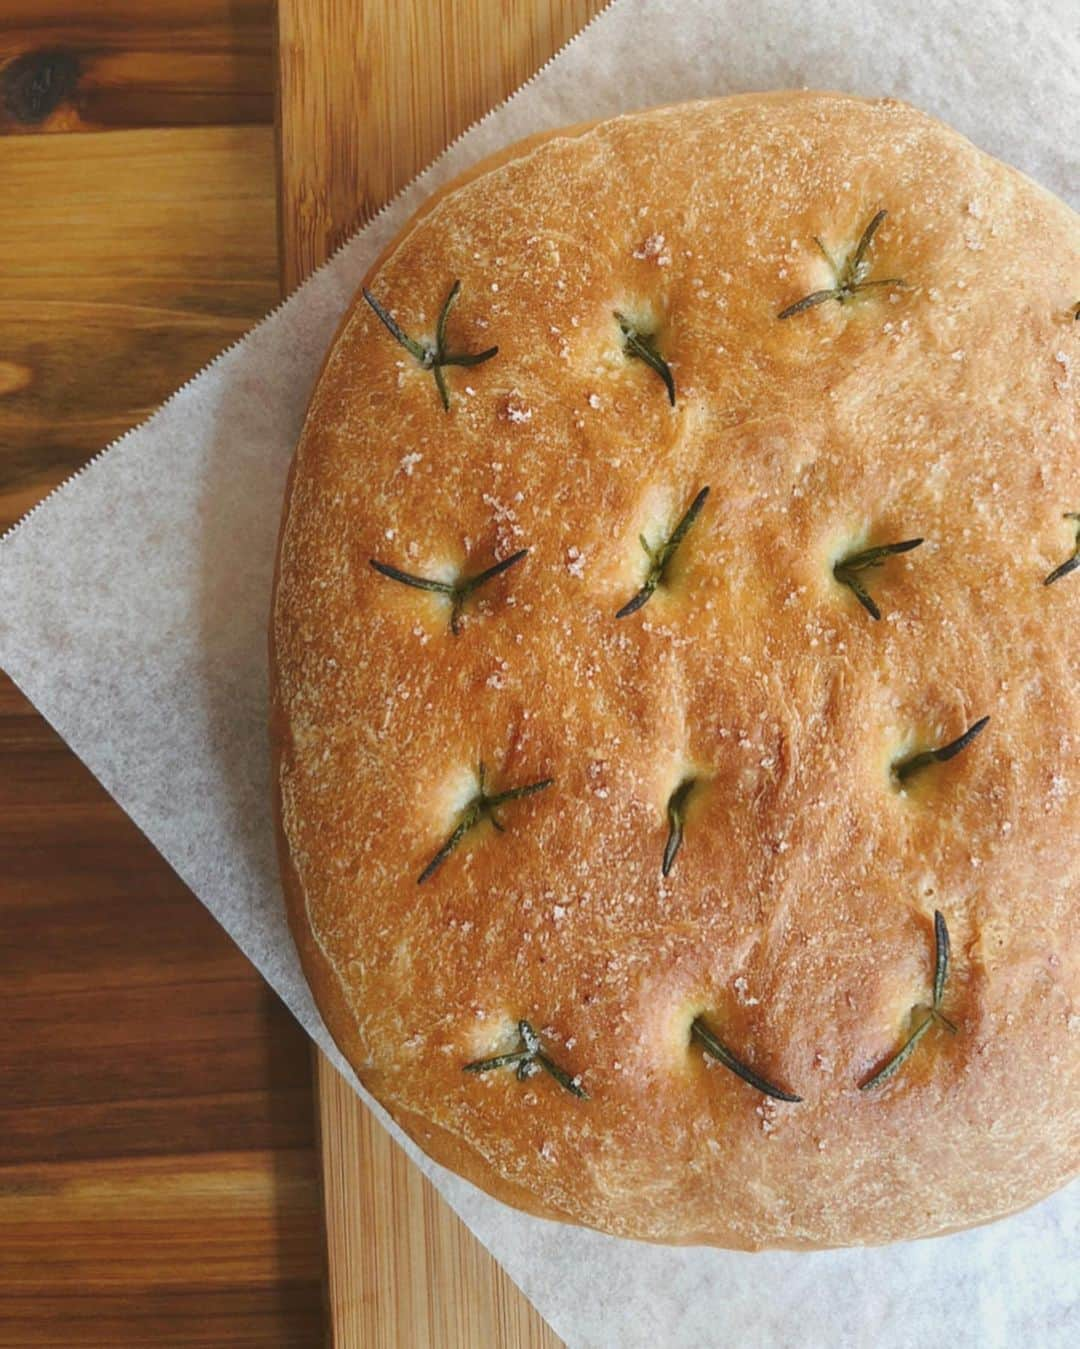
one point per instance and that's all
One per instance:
(798, 916)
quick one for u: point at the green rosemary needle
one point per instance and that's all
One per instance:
(941, 957)
(1073, 561)
(457, 592)
(482, 806)
(907, 768)
(642, 347)
(433, 356)
(847, 569)
(715, 1049)
(934, 1014)
(851, 276)
(529, 1060)
(676, 813)
(660, 557)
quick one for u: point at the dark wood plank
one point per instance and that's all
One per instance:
(85, 65)
(196, 1318)
(222, 1249)
(158, 1175)
(131, 259)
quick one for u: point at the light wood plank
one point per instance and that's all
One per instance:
(371, 91)
(404, 1271)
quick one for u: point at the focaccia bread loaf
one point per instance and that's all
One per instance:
(670, 516)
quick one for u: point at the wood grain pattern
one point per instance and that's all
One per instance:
(78, 65)
(370, 92)
(404, 1271)
(131, 259)
(392, 84)
(158, 1182)
(158, 1175)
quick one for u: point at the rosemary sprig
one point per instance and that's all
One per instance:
(934, 1012)
(432, 356)
(529, 1060)
(851, 275)
(1073, 561)
(660, 557)
(676, 813)
(642, 347)
(482, 806)
(457, 592)
(847, 569)
(715, 1049)
(907, 768)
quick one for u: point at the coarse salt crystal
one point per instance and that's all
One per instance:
(741, 993)
(651, 247)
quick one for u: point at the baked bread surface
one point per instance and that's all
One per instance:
(797, 920)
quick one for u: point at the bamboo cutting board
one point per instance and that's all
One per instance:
(369, 92)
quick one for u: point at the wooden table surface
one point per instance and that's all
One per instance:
(160, 1182)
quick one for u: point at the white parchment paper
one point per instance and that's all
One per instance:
(133, 611)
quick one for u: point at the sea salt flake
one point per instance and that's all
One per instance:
(515, 410)
(741, 994)
(652, 247)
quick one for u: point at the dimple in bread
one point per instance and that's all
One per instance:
(675, 730)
